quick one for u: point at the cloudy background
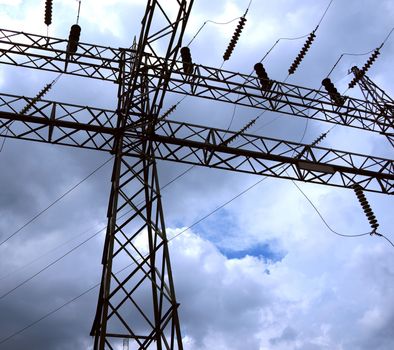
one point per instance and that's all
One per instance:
(264, 272)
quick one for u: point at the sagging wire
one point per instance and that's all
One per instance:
(205, 23)
(321, 216)
(359, 193)
(371, 218)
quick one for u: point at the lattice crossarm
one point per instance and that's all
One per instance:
(100, 62)
(58, 123)
(46, 53)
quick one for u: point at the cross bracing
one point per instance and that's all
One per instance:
(137, 137)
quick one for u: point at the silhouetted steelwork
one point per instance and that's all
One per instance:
(92, 128)
(139, 303)
(374, 94)
(137, 299)
(206, 82)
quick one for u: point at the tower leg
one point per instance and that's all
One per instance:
(137, 297)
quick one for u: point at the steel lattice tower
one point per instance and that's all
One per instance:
(139, 302)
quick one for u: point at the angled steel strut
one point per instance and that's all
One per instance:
(137, 300)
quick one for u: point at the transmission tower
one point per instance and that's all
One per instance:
(138, 303)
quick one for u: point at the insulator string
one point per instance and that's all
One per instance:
(302, 53)
(360, 73)
(235, 38)
(28, 106)
(366, 207)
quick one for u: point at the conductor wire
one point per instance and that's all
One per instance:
(79, 10)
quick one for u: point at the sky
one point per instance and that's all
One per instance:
(264, 272)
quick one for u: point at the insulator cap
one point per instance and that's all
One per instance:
(48, 12)
(333, 92)
(265, 82)
(73, 38)
(185, 53)
(187, 60)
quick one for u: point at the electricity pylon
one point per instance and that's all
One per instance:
(137, 298)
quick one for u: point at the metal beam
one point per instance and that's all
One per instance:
(378, 96)
(204, 146)
(34, 51)
(123, 311)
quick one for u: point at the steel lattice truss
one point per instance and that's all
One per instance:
(28, 50)
(374, 93)
(93, 128)
(138, 301)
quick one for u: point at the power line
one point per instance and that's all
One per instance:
(79, 235)
(298, 37)
(325, 12)
(358, 54)
(321, 216)
(210, 21)
(2, 341)
(247, 9)
(263, 58)
(56, 201)
(96, 285)
(37, 258)
(385, 237)
(388, 36)
(170, 239)
(49, 265)
(79, 245)
(79, 10)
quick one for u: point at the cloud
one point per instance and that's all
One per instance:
(262, 273)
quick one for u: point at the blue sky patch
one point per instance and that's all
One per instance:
(261, 250)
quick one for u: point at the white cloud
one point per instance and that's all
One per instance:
(325, 292)
(10, 2)
(234, 302)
